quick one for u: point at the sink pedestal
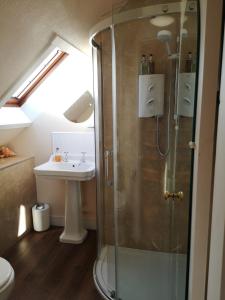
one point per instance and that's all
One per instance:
(72, 172)
(74, 232)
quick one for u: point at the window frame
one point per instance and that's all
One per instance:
(37, 80)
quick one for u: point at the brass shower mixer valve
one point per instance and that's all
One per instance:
(174, 196)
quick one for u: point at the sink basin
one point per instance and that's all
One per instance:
(72, 172)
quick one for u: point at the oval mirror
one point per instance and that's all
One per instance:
(81, 110)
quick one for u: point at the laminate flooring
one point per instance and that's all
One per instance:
(46, 269)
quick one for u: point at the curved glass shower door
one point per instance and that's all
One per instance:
(147, 118)
(154, 71)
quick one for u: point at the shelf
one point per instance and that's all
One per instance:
(10, 161)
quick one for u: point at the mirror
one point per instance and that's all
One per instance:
(81, 110)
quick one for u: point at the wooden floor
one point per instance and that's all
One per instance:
(46, 269)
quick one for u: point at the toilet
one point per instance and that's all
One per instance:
(6, 279)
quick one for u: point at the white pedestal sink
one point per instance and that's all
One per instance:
(73, 172)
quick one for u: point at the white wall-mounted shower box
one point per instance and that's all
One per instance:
(186, 97)
(151, 95)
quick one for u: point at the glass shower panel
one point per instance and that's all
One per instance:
(105, 267)
(152, 158)
(184, 131)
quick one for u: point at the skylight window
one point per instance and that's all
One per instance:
(36, 77)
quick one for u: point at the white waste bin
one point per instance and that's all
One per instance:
(41, 216)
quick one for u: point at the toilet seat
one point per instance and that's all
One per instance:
(6, 272)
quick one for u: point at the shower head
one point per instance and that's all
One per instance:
(165, 36)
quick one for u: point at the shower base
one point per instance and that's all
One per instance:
(158, 275)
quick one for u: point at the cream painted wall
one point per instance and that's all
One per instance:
(6, 135)
(27, 27)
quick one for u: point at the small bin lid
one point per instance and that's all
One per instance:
(5, 272)
(39, 206)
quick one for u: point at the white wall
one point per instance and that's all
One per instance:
(12, 121)
(6, 135)
(27, 27)
(62, 88)
(211, 13)
(216, 287)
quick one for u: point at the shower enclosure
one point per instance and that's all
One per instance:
(145, 119)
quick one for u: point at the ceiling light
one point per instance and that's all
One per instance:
(161, 21)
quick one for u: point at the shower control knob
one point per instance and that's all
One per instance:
(149, 101)
(150, 87)
(175, 196)
(187, 100)
(188, 86)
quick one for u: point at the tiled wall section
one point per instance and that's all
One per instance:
(17, 187)
(74, 142)
(146, 220)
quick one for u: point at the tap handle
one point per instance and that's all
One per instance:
(66, 155)
(83, 158)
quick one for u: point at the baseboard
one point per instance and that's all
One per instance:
(59, 221)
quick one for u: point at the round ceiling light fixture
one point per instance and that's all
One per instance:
(161, 21)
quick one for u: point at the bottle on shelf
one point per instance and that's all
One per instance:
(188, 63)
(57, 155)
(143, 65)
(151, 64)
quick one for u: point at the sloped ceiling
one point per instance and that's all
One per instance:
(27, 27)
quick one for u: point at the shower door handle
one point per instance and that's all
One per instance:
(174, 196)
(108, 154)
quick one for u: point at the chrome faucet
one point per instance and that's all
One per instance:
(66, 156)
(83, 158)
